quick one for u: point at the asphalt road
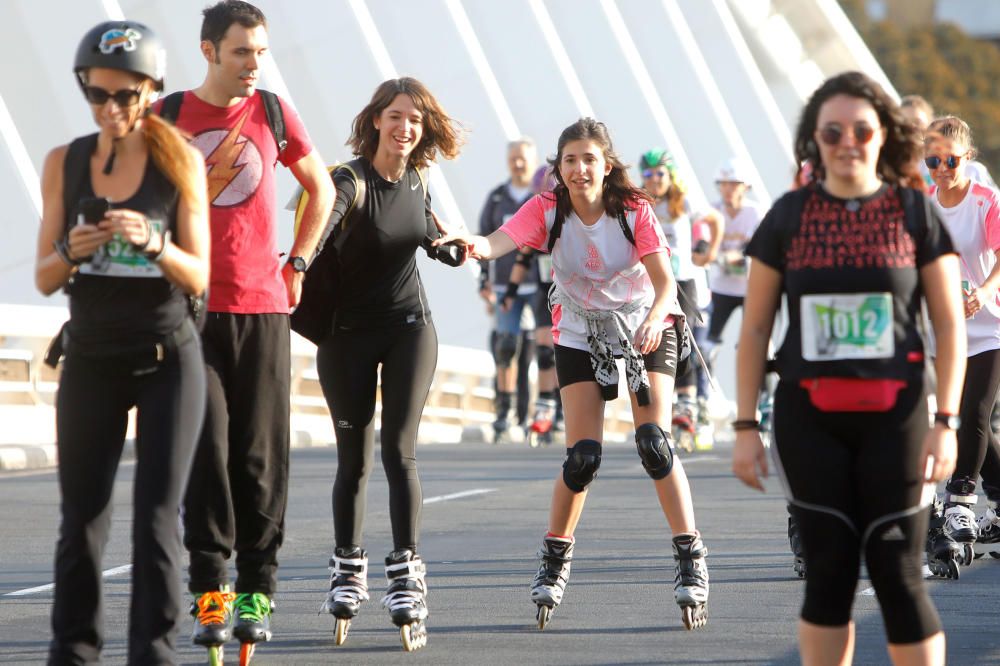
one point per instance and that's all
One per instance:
(484, 515)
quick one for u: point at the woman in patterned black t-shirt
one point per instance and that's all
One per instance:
(854, 253)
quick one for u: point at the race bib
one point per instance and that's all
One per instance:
(117, 258)
(545, 267)
(734, 263)
(847, 326)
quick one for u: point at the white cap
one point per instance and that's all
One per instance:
(733, 170)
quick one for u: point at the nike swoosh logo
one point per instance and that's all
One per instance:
(414, 186)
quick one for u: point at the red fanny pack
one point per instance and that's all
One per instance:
(851, 394)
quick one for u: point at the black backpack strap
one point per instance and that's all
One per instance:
(557, 226)
(275, 117)
(356, 168)
(75, 169)
(623, 223)
(556, 230)
(170, 108)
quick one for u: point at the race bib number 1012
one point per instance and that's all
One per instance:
(847, 326)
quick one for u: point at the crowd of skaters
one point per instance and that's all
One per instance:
(179, 304)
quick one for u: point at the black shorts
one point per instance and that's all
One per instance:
(573, 365)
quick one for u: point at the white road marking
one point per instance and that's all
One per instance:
(128, 567)
(125, 568)
(464, 493)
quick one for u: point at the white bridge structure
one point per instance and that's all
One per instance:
(707, 79)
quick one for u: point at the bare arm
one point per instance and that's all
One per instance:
(315, 180)
(716, 226)
(649, 333)
(759, 308)
(944, 305)
(51, 272)
(487, 248)
(976, 298)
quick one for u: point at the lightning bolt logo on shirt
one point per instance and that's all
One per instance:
(234, 164)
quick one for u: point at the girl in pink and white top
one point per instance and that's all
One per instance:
(613, 296)
(971, 213)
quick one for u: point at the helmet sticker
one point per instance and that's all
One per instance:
(119, 39)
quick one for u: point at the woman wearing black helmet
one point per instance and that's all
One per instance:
(125, 231)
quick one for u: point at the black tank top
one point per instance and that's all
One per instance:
(120, 297)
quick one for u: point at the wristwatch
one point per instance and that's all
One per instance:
(298, 264)
(949, 421)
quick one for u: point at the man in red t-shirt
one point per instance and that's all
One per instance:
(238, 488)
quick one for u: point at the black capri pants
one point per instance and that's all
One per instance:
(855, 483)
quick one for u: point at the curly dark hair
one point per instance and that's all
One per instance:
(620, 194)
(441, 132)
(897, 161)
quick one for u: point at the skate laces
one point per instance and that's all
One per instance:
(348, 580)
(253, 607)
(407, 585)
(959, 517)
(213, 606)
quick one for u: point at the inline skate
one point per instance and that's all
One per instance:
(348, 588)
(549, 584)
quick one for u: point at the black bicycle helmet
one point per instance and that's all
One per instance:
(125, 45)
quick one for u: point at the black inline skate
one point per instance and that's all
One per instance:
(213, 620)
(959, 518)
(348, 588)
(943, 553)
(253, 622)
(406, 597)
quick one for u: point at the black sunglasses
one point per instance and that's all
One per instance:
(933, 161)
(832, 134)
(99, 96)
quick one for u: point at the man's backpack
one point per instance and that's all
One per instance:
(313, 318)
(170, 110)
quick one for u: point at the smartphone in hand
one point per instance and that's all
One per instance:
(93, 209)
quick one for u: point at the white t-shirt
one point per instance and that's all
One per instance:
(974, 227)
(595, 266)
(729, 271)
(678, 234)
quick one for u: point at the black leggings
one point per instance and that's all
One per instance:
(975, 437)
(91, 418)
(723, 306)
(348, 364)
(855, 482)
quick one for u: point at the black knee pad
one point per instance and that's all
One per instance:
(654, 450)
(582, 463)
(504, 349)
(546, 357)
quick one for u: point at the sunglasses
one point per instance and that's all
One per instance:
(652, 173)
(933, 161)
(99, 96)
(831, 135)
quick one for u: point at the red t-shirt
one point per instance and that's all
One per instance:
(240, 155)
